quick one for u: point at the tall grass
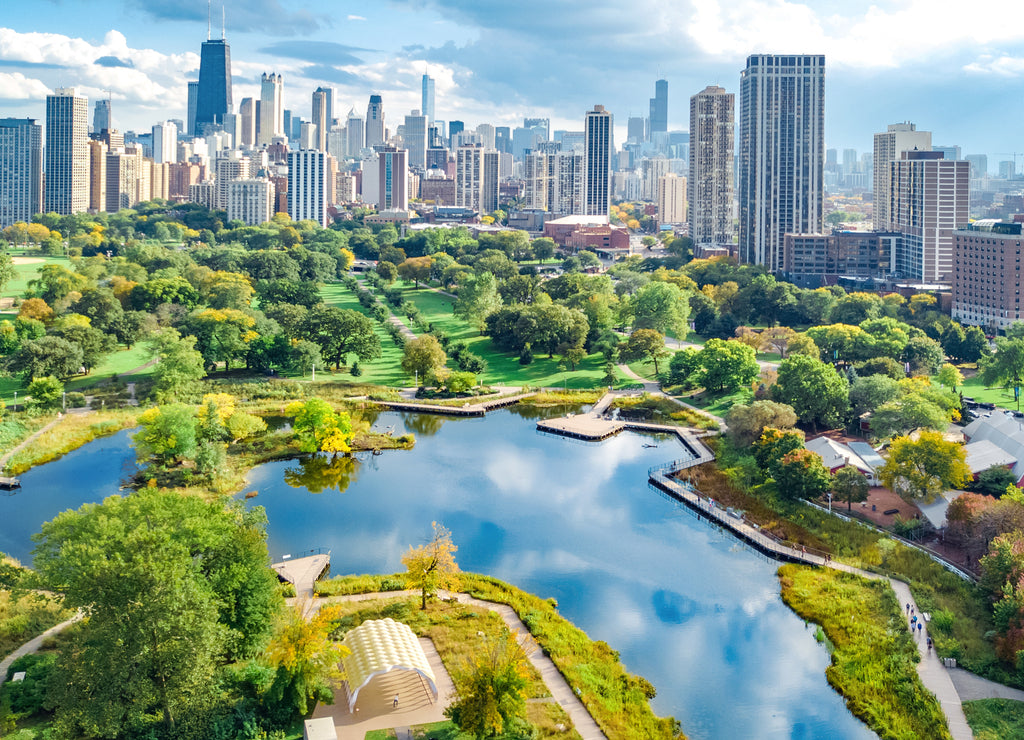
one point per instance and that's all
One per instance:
(995, 719)
(70, 433)
(874, 658)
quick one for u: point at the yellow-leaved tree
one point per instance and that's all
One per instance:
(432, 566)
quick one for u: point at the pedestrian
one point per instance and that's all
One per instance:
(920, 627)
(395, 702)
(929, 643)
(908, 607)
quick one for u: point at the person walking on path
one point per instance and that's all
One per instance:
(394, 704)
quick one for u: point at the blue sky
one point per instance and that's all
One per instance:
(953, 71)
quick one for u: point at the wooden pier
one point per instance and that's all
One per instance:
(467, 409)
(9, 484)
(304, 572)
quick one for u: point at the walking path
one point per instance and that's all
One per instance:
(33, 645)
(556, 684)
(31, 438)
(971, 687)
(655, 389)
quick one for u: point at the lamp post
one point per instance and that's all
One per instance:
(830, 502)
(63, 400)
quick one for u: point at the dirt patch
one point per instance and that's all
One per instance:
(27, 260)
(881, 500)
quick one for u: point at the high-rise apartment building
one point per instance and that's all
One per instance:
(414, 137)
(392, 179)
(165, 142)
(427, 96)
(375, 121)
(486, 132)
(98, 175)
(671, 199)
(251, 200)
(102, 116)
(309, 185)
(67, 152)
(659, 108)
(247, 114)
(271, 108)
(597, 154)
(979, 164)
(126, 181)
(782, 153)
(710, 185)
(554, 182)
(987, 274)
(21, 170)
(929, 202)
(889, 146)
(636, 130)
(230, 165)
(354, 133)
(322, 116)
(213, 95)
(476, 178)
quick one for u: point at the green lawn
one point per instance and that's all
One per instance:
(995, 719)
(503, 368)
(719, 403)
(974, 388)
(28, 272)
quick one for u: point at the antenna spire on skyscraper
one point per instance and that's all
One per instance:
(209, 19)
(223, 23)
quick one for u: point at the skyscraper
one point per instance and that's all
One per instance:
(271, 107)
(193, 104)
(308, 185)
(247, 112)
(782, 153)
(329, 102)
(659, 107)
(374, 121)
(476, 178)
(710, 185)
(393, 179)
(165, 142)
(213, 96)
(428, 98)
(929, 200)
(354, 133)
(67, 152)
(21, 170)
(540, 126)
(321, 118)
(102, 117)
(597, 154)
(415, 138)
(889, 146)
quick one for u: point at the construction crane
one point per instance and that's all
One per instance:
(1011, 154)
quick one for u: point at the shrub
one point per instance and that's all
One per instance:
(76, 400)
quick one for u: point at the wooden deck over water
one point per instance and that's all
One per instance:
(303, 572)
(467, 409)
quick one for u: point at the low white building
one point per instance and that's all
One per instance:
(251, 200)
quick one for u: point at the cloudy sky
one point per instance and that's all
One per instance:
(955, 68)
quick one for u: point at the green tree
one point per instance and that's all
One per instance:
(924, 355)
(490, 689)
(340, 332)
(423, 356)
(168, 583)
(816, 391)
(949, 376)
(387, 271)
(869, 392)
(46, 356)
(1006, 366)
(478, 297)
(46, 392)
(94, 344)
(543, 248)
(167, 435)
(850, 485)
(907, 413)
(180, 366)
(726, 365)
(319, 428)
(644, 344)
(774, 444)
(432, 566)
(746, 424)
(800, 474)
(8, 272)
(974, 346)
(923, 468)
(662, 307)
(415, 270)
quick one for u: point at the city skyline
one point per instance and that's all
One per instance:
(875, 77)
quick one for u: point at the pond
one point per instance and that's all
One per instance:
(686, 606)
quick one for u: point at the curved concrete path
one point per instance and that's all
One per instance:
(33, 645)
(972, 687)
(560, 690)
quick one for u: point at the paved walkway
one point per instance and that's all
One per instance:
(33, 645)
(655, 388)
(971, 687)
(31, 438)
(556, 684)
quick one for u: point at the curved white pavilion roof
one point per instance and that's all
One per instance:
(379, 646)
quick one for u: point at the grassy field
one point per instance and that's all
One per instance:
(28, 272)
(974, 388)
(719, 403)
(503, 368)
(874, 659)
(995, 719)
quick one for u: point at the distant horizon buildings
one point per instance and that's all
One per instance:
(271, 108)
(782, 153)
(710, 184)
(427, 97)
(374, 131)
(659, 109)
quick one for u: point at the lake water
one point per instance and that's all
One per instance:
(686, 606)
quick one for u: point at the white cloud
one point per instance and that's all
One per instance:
(1003, 66)
(17, 86)
(355, 18)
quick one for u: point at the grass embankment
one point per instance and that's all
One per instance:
(26, 616)
(961, 614)
(503, 368)
(874, 659)
(545, 399)
(16, 429)
(716, 403)
(660, 410)
(70, 433)
(995, 719)
(617, 700)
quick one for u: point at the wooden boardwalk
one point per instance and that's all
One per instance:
(303, 573)
(468, 409)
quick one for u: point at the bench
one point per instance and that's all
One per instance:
(887, 512)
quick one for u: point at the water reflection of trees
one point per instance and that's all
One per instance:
(425, 425)
(536, 413)
(319, 473)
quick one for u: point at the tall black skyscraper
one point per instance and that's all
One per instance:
(214, 100)
(659, 107)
